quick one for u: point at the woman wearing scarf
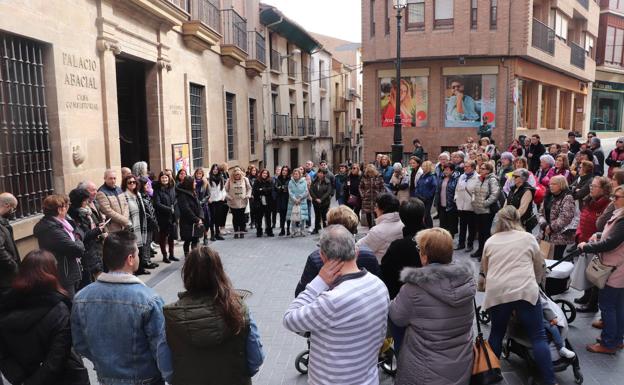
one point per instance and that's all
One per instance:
(55, 234)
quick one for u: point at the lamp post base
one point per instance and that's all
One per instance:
(397, 153)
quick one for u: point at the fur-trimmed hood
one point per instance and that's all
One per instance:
(452, 284)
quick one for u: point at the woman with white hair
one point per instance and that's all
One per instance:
(399, 183)
(557, 216)
(141, 170)
(547, 162)
(512, 265)
(506, 167)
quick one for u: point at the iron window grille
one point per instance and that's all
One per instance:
(197, 124)
(229, 112)
(252, 126)
(25, 153)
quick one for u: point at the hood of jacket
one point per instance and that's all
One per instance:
(452, 283)
(20, 312)
(196, 321)
(389, 217)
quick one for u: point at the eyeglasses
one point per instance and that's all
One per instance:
(591, 186)
(131, 182)
(516, 176)
(616, 197)
(619, 141)
(454, 87)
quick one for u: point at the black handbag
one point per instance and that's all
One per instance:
(198, 230)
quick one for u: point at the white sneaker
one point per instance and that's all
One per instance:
(566, 353)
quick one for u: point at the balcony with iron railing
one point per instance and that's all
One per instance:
(203, 30)
(324, 128)
(280, 125)
(234, 45)
(292, 68)
(256, 61)
(543, 37)
(301, 126)
(577, 55)
(311, 127)
(275, 61)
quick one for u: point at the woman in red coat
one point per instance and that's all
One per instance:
(593, 206)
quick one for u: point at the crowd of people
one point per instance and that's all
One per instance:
(68, 298)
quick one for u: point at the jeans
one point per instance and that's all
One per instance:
(531, 317)
(611, 304)
(467, 221)
(484, 225)
(398, 334)
(553, 330)
(448, 220)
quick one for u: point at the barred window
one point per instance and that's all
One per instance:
(25, 156)
(230, 122)
(252, 126)
(197, 124)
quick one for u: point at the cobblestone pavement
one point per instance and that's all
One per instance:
(270, 269)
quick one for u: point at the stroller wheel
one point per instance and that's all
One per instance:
(484, 316)
(568, 309)
(578, 376)
(389, 362)
(301, 362)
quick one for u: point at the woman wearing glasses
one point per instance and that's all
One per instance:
(615, 159)
(521, 197)
(610, 245)
(138, 218)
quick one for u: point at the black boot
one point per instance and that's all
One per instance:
(282, 232)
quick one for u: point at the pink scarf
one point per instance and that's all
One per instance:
(67, 227)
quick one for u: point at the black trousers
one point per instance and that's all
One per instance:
(283, 219)
(320, 214)
(238, 219)
(427, 220)
(263, 212)
(467, 223)
(189, 242)
(216, 213)
(309, 220)
(448, 220)
(559, 251)
(484, 226)
(370, 219)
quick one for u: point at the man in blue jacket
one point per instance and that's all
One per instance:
(118, 322)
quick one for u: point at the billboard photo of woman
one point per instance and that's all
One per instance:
(413, 101)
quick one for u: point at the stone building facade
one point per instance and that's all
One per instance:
(91, 85)
(525, 65)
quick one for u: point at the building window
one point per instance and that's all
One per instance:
(372, 18)
(616, 5)
(473, 14)
(252, 126)
(25, 153)
(561, 26)
(415, 15)
(493, 13)
(613, 46)
(443, 14)
(197, 124)
(589, 45)
(230, 102)
(606, 109)
(387, 17)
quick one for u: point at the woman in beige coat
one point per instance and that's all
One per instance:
(238, 192)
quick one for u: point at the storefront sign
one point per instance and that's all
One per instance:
(608, 86)
(181, 157)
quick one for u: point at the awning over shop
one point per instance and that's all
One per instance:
(277, 22)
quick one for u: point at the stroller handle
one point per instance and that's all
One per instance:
(574, 253)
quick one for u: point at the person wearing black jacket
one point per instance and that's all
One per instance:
(35, 335)
(320, 192)
(534, 152)
(166, 215)
(55, 233)
(281, 198)
(90, 231)
(262, 192)
(352, 189)
(9, 254)
(191, 213)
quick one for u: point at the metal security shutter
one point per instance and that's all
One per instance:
(25, 155)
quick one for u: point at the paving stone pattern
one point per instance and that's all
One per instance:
(270, 268)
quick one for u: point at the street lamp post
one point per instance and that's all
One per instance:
(397, 145)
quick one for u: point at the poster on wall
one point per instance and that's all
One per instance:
(181, 157)
(470, 100)
(413, 99)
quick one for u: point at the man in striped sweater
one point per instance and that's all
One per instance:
(345, 309)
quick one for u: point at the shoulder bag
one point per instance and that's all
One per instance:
(486, 366)
(598, 273)
(198, 230)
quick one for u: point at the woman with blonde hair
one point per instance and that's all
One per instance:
(406, 106)
(371, 186)
(557, 215)
(426, 189)
(238, 192)
(297, 195)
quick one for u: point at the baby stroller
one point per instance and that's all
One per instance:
(387, 359)
(518, 343)
(557, 281)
